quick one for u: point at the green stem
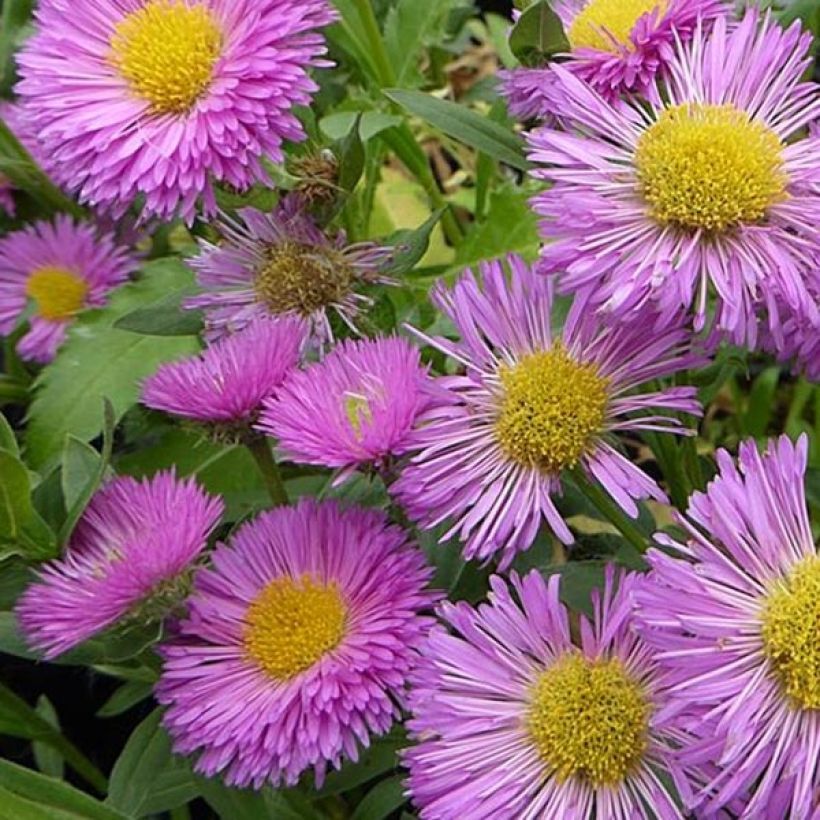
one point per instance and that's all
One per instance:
(387, 77)
(80, 763)
(260, 450)
(607, 507)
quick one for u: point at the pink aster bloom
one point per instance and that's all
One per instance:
(617, 47)
(135, 540)
(532, 405)
(62, 267)
(282, 263)
(160, 98)
(228, 382)
(714, 189)
(734, 615)
(516, 721)
(298, 644)
(357, 406)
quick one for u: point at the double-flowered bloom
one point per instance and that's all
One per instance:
(733, 615)
(530, 406)
(709, 192)
(159, 99)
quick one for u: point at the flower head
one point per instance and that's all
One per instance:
(228, 382)
(736, 624)
(356, 406)
(281, 263)
(515, 720)
(530, 407)
(135, 542)
(714, 185)
(63, 267)
(616, 46)
(309, 622)
(159, 98)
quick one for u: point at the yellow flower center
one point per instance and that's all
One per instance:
(302, 278)
(292, 623)
(605, 25)
(552, 408)
(58, 293)
(166, 50)
(358, 412)
(709, 167)
(589, 719)
(791, 633)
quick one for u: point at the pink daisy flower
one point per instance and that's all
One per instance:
(736, 624)
(282, 263)
(715, 186)
(298, 644)
(62, 268)
(228, 382)
(516, 721)
(127, 558)
(357, 406)
(160, 98)
(617, 47)
(532, 405)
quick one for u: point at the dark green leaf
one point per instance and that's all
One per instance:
(20, 524)
(337, 125)
(29, 795)
(538, 35)
(465, 125)
(165, 317)
(349, 153)
(761, 406)
(381, 801)
(173, 787)
(380, 757)
(146, 754)
(8, 441)
(49, 761)
(101, 360)
(127, 696)
(410, 246)
(80, 465)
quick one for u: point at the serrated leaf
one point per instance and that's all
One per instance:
(29, 795)
(538, 35)
(464, 125)
(145, 756)
(101, 360)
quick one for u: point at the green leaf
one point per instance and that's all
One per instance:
(82, 494)
(381, 801)
(762, 403)
(464, 125)
(126, 697)
(29, 795)
(49, 761)
(20, 524)
(349, 152)
(410, 246)
(510, 227)
(175, 786)
(381, 756)
(337, 125)
(13, 20)
(146, 754)
(101, 360)
(233, 804)
(538, 35)
(80, 465)
(8, 441)
(165, 317)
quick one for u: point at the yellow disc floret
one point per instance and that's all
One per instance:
(552, 409)
(292, 623)
(791, 633)
(57, 293)
(709, 167)
(589, 719)
(302, 279)
(605, 25)
(166, 50)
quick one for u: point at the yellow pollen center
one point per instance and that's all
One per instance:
(166, 50)
(58, 293)
(589, 719)
(709, 167)
(605, 25)
(551, 410)
(293, 623)
(302, 279)
(791, 633)
(358, 412)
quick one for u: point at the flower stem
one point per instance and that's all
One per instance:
(260, 450)
(387, 77)
(611, 511)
